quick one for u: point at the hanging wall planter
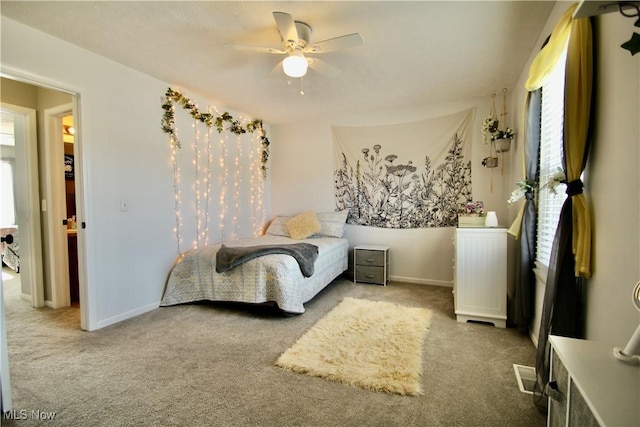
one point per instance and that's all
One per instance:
(491, 124)
(497, 131)
(490, 162)
(503, 145)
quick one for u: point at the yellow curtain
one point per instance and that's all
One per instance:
(516, 225)
(540, 68)
(578, 84)
(575, 36)
(548, 57)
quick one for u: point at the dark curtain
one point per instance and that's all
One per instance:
(563, 305)
(562, 310)
(525, 282)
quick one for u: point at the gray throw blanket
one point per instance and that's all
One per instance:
(305, 253)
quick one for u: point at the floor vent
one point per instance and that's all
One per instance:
(526, 376)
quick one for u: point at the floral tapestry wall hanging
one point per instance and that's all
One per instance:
(408, 175)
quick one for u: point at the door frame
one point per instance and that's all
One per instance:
(87, 299)
(27, 199)
(56, 236)
(6, 403)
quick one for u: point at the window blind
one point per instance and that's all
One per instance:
(551, 140)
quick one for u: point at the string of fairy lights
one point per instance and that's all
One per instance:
(222, 185)
(197, 161)
(257, 221)
(237, 184)
(243, 174)
(177, 196)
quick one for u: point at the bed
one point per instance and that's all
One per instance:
(10, 252)
(273, 278)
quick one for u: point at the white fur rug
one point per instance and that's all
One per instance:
(370, 344)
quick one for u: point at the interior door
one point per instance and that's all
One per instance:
(56, 235)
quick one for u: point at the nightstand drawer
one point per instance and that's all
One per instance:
(370, 274)
(366, 257)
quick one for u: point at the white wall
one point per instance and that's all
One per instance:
(302, 179)
(612, 180)
(125, 156)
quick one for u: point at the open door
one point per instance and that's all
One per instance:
(56, 239)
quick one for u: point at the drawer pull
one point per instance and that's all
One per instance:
(369, 276)
(551, 390)
(370, 260)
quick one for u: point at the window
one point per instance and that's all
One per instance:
(7, 156)
(551, 140)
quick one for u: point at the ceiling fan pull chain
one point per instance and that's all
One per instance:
(302, 85)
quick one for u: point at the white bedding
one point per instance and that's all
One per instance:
(271, 278)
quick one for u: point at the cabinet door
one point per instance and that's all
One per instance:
(558, 407)
(481, 276)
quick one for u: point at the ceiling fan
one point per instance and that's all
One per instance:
(296, 42)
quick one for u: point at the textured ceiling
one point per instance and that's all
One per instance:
(414, 53)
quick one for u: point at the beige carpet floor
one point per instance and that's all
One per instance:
(213, 365)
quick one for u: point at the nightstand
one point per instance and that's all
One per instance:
(371, 264)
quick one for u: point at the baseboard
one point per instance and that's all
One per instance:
(434, 282)
(534, 339)
(127, 315)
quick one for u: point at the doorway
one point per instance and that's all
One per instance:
(55, 208)
(20, 199)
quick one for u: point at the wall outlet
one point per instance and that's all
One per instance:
(124, 206)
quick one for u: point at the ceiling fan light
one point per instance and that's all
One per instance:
(295, 65)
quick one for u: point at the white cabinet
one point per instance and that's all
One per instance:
(480, 275)
(592, 387)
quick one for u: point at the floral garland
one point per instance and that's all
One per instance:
(235, 126)
(522, 188)
(529, 186)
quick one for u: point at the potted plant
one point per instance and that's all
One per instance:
(502, 139)
(471, 215)
(498, 138)
(490, 162)
(489, 126)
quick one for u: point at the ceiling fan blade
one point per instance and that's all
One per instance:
(257, 49)
(286, 26)
(276, 70)
(343, 42)
(323, 68)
